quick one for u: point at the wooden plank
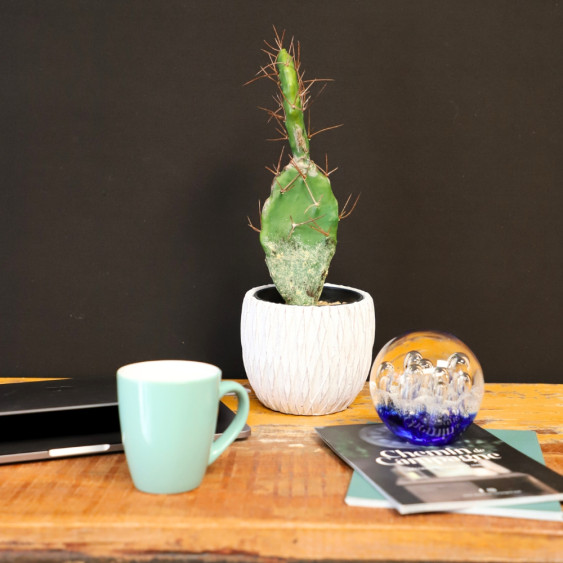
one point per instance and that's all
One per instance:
(277, 495)
(7, 380)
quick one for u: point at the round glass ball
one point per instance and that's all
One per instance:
(427, 387)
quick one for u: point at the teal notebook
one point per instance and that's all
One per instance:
(362, 493)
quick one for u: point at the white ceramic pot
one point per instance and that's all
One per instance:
(307, 360)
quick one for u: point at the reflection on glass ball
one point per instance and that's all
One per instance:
(427, 387)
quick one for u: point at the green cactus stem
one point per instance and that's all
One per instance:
(299, 220)
(292, 105)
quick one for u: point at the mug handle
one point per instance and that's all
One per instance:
(237, 424)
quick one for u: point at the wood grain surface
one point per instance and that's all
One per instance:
(278, 495)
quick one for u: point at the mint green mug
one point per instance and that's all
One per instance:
(168, 413)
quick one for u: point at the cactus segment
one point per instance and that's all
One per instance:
(292, 104)
(299, 225)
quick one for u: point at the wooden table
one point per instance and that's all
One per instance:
(277, 495)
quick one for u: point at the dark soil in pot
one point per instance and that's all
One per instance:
(329, 296)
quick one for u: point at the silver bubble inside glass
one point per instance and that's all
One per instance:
(427, 387)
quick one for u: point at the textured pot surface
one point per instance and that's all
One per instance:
(307, 360)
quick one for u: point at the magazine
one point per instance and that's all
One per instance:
(478, 469)
(362, 493)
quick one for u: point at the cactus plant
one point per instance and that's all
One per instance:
(299, 220)
(302, 360)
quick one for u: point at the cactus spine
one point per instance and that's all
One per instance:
(299, 220)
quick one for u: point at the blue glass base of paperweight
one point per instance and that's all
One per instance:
(424, 428)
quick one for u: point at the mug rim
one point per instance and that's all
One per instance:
(168, 371)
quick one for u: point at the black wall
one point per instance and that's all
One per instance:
(131, 154)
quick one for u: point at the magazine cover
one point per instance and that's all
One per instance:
(478, 469)
(362, 493)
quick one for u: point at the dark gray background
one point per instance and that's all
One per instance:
(131, 155)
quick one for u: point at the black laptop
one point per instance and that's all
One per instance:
(42, 420)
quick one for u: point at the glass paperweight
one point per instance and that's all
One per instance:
(426, 387)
